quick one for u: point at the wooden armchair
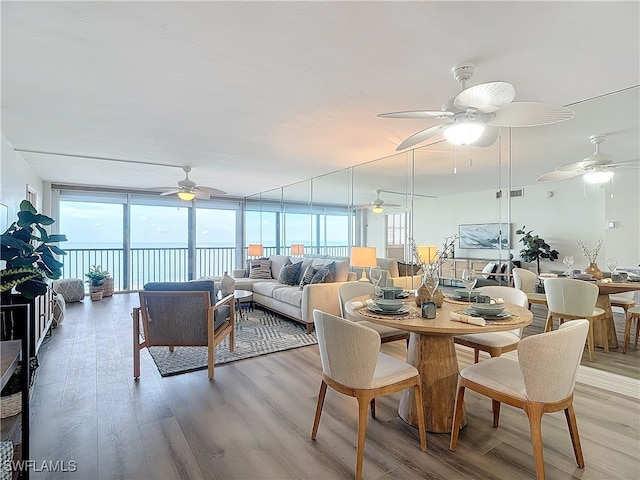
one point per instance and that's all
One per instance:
(182, 314)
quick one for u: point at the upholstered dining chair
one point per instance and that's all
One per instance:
(353, 365)
(526, 280)
(540, 381)
(624, 300)
(633, 313)
(570, 299)
(182, 314)
(350, 290)
(495, 343)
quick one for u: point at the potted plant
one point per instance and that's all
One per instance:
(96, 278)
(28, 251)
(535, 248)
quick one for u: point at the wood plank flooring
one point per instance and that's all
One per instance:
(254, 420)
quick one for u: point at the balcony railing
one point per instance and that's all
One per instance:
(163, 264)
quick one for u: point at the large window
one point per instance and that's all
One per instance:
(216, 239)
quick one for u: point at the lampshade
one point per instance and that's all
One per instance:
(377, 209)
(255, 250)
(428, 254)
(598, 175)
(186, 196)
(463, 133)
(363, 257)
(297, 249)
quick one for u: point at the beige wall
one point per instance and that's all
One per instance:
(15, 175)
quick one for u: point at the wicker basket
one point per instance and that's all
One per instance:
(107, 287)
(10, 405)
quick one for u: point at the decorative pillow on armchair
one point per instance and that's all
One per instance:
(408, 269)
(289, 274)
(260, 269)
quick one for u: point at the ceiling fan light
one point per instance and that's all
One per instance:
(377, 209)
(598, 176)
(187, 196)
(464, 133)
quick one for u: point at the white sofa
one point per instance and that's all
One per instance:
(292, 301)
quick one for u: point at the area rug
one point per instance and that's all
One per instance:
(258, 333)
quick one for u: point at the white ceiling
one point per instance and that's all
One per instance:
(256, 95)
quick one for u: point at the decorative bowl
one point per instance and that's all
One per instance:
(464, 293)
(487, 309)
(388, 292)
(389, 305)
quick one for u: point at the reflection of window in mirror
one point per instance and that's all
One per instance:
(396, 234)
(31, 195)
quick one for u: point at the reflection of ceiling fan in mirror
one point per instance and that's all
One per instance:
(474, 116)
(376, 205)
(188, 190)
(596, 168)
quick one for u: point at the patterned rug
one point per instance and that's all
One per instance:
(258, 333)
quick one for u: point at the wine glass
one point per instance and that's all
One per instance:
(568, 262)
(612, 263)
(375, 275)
(469, 280)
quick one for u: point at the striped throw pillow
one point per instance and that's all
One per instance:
(308, 275)
(260, 269)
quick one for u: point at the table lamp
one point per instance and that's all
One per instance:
(428, 254)
(297, 249)
(255, 250)
(363, 257)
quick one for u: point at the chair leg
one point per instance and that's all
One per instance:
(548, 326)
(171, 348)
(136, 343)
(417, 393)
(373, 407)
(210, 359)
(637, 331)
(495, 409)
(590, 342)
(457, 414)
(476, 355)
(575, 437)
(534, 412)
(605, 334)
(627, 332)
(316, 421)
(363, 406)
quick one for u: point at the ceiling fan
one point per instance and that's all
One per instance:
(596, 168)
(187, 189)
(473, 117)
(376, 205)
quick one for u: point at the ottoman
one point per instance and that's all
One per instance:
(71, 289)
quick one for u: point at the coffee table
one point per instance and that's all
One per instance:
(243, 296)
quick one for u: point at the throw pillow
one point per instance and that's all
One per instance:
(260, 269)
(247, 268)
(325, 274)
(407, 269)
(307, 276)
(289, 274)
(493, 270)
(489, 268)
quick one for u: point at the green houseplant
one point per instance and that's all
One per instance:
(96, 278)
(28, 251)
(535, 248)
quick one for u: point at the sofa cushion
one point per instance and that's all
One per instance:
(267, 288)
(289, 274)
(277, 262)
(341, 270)
(325, 274)
(260, 269)
(290, 295)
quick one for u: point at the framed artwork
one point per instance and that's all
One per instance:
(485, 235)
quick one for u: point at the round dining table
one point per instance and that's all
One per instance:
(432, 351)
(604, 302)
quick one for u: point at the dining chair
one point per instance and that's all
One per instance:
(353, 365)
(182, 314)
(526, 280)
(624, 300)
(350, 290)
(632, 314)
(495, 343)
(540, 381)
(570, 299)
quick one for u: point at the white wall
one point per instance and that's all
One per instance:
(15, 175)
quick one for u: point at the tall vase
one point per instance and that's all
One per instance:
(594, 270)
(227, 285)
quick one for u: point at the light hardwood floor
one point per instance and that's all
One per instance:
(254, 420)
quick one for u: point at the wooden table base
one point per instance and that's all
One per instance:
(604, 302)
(435, 357)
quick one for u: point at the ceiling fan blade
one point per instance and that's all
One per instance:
(170, 192)
(570, 167)
(391, 205)
(559, 175)
(486, 97)
(200, 194)
(419, 114)
(211, 191)
(488, 137)
(530, 114)
(629, 164)
(422, 135)
(363, 207)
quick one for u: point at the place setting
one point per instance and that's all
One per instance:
(388, 308)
